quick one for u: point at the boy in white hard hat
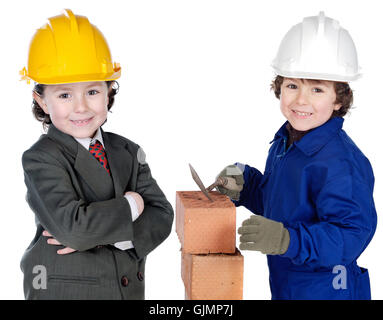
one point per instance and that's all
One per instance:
(313, 206)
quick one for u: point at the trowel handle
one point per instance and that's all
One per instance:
(221, 181)
(226, 182)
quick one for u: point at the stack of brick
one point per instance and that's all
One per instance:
(211, 267)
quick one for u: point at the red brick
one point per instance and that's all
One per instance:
(212, 276)
(203, 226)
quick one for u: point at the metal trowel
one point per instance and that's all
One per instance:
(221, 181)
(199, 183)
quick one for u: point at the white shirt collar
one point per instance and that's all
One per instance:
(86, 142)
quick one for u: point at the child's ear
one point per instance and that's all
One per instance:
(337, 106)
(40, 101)
(110, 90)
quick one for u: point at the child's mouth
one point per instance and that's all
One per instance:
(302, 115)
(81, 123)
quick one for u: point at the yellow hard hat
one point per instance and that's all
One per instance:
(69, 49)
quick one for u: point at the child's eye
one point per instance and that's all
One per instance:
(292, 86)
(92, 92)
(64, 96)
(317, 90)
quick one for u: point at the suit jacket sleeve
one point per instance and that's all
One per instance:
(154, 224)
(71, 220)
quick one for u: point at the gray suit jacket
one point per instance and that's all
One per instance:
(83, 207)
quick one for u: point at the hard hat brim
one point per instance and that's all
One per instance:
(316, 76)
(77, 78)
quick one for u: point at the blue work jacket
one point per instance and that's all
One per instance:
(321, 189)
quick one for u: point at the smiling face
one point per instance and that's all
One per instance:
(77, 109)
(307, 104)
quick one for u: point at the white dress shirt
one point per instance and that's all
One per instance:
(86, 142)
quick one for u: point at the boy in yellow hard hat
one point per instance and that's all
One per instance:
(98, 210)
(314, 207)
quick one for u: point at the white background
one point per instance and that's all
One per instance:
(194, 89)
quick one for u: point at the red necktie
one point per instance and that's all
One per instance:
(99, 153)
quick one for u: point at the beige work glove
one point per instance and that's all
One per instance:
(265, 235)
(235, 181)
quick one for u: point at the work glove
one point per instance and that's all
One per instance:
(235, 181)
(265, 235)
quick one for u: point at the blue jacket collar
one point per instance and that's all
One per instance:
(314, 140)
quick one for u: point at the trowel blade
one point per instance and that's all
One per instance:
(198, 181)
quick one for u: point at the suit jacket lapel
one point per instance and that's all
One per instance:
(120, 162)
(94, 174)
(85, 163)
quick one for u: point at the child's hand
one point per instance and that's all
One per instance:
(235, 181)
(53, 241)
(261, 234)
(138, 199)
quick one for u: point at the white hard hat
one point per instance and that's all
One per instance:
(317, 48)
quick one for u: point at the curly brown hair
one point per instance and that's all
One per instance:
(344, 95)
(41, 116)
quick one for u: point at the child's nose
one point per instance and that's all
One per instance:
(302, 97)
(80, 104)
